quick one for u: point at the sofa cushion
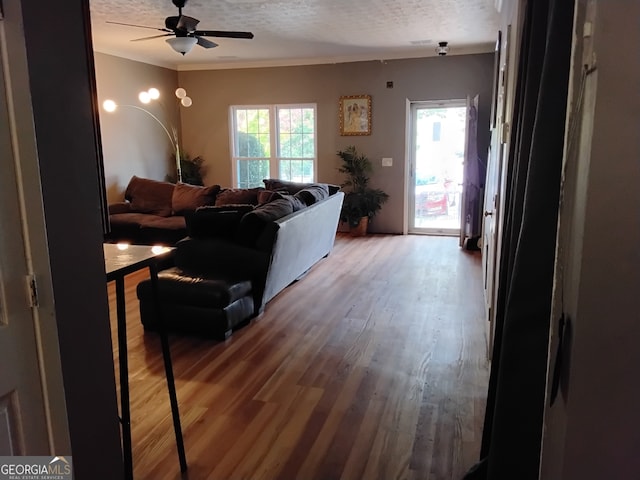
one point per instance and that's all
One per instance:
(296, 202)
(216, 221)
(294, 187)
(176, 222)
(238, 196)
(187, 198)
(119, 207)
(126, 226)
(283, 185)
(313, 193)
(150, 196)
(129, 219)
(146, 229)
(333, 189)
(252, 223)
(266, 196)
(162, 230)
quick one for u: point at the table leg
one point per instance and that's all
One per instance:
(125, 416)
(168, 367)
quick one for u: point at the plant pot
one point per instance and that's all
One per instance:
(360, 230)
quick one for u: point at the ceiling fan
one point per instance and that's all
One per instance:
(183, 30)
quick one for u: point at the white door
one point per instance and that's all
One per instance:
(436, 166)
(23, 428)
(489, 230)
(494, 186)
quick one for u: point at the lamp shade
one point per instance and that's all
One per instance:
(182, 44)
(110, 106)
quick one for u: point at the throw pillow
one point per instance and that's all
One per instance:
(266, 196)
(187, 198)
(296, 202)
(313, 193)
(289, 187)
(295, 187)
(236, 196)
(333, 188)
(150, 196)
(254, 222)
(216, 221)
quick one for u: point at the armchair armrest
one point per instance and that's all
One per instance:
(119, 207)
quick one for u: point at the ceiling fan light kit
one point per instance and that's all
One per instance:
(183, 31)
(182, 45)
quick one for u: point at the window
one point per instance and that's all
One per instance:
(273, 141)
(437, 128)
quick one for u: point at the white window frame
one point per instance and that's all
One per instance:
(274, 136)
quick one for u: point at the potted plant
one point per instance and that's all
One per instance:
(192, 170)
(361, 203)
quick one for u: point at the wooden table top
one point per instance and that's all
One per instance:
(120, 259)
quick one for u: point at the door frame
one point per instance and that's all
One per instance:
(33, 231)
(412, 109)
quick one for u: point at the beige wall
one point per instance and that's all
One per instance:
(205, 125)
(133, 143)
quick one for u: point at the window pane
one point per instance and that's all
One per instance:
(307, 170)
(308, 146)
(252, 133)
(437, 127)
(296, 126)
(284, 171)
(252, 172)
(285, 120)
(296, 170)
(284, 145)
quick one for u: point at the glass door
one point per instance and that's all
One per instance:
(436, 170)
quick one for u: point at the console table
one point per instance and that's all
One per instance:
(121, 260)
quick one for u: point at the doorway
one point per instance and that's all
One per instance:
(436, 166)
(23, 409)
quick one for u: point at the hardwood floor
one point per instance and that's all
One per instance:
(371, 367)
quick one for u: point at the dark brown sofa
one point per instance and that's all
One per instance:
(271, 245)
(154, 212)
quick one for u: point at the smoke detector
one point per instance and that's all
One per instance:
(442, 48)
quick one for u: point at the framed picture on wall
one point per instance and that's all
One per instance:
(355, 115)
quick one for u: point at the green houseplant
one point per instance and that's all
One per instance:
(361, 202)
(192, 170)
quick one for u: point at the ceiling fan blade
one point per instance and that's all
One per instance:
(203, 42)
(224, 34)
(152, 37)
(139, 26)
(187, 23)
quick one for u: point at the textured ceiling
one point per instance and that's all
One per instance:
(293, 32)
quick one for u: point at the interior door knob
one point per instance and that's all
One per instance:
(488, 214)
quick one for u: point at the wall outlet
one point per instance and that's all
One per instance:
(387, 162)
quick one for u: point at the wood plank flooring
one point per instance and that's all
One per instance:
(373, 366)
